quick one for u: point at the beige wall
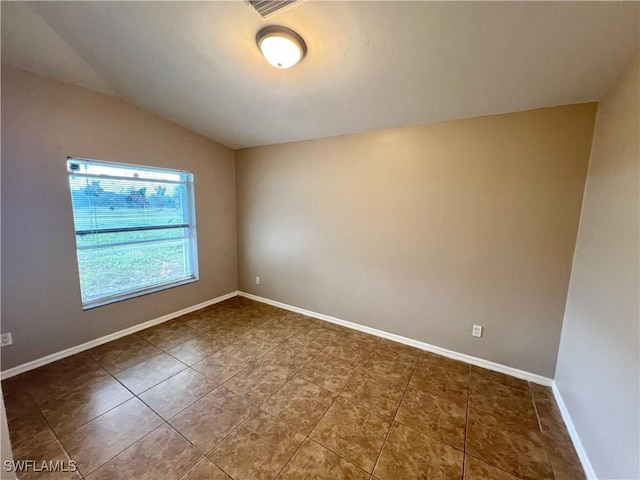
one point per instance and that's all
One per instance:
(598, 370)
(44, 121)
(424, 231)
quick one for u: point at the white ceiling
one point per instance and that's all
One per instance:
(370, 65)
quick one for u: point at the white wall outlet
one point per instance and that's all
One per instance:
(257, 280)
(6, 339)
(477, 331)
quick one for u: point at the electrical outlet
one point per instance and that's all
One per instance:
(257, 280)
(6, 339)
(477, 331)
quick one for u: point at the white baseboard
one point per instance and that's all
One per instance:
(25, 367)
(479, 362)
(575, 438)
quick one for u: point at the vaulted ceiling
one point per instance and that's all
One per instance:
(370, 65)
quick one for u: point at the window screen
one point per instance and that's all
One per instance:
(134, 227)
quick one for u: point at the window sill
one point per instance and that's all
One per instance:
(137, 293)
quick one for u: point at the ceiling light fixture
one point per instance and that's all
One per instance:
(281, 46)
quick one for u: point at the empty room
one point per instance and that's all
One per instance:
(320, 240)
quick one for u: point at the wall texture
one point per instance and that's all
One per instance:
(43, 122)
(424, 231)
(598, 370)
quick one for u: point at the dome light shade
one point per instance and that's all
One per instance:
(282, 47)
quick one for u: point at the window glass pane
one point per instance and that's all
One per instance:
(112, 270)
(134, 228)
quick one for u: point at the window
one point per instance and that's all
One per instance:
(135, 229)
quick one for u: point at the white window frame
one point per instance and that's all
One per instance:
(190, 225)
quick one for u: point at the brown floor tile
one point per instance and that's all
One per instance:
(53, 454)
(541, 392)
(209, 420)
(178, 392)
(228, 331)
(313, 461)
(475, 469)
(255, 321)
(17, 399)
(375, 391)
(492, 397)
(351, 353)
(263, 338)
(247, 350)
(317, 337)
(408, 454)
(443, 366)
(221, 366)
(441, 380)
(391, 364)
(150, 372)
(62, 371)
(299, 403)
(404, 351)
(552, 425)
(44, 393)
(258, 450)
(335, 327)
(284, 327)
(258, 382)
(29, 432)
(365, 340)
(168, 335)
(443, 418)
(327, 372)
(201, 323)
(566, 464)
(123, 353)
(163, 454)
(519, 451)
(353, 432)
(101, 439)
(206, 470)
(498, 377)
(76, 371)
(227, 336)
(547, 407)
(265, 335)
(291, 355)
(296, 316)
(196, 349)
(451, 365)
(71, 408)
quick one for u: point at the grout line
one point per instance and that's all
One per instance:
(393, 419)
(466, 426)
(204, 458)
(191, 404)
(58, 437)
(354, 370)
(542, 434)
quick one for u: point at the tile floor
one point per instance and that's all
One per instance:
(243, 390)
